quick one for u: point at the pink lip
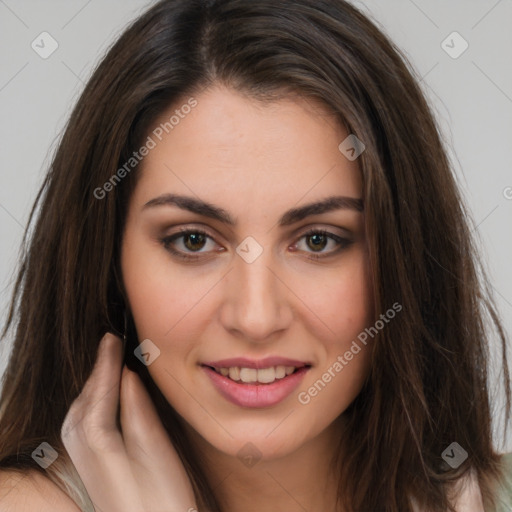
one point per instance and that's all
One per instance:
(255, 395)
(243, 362)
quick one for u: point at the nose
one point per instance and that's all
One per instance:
(257, 302)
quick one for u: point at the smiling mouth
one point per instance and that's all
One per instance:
(268, 375)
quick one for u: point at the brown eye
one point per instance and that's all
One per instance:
(318, 241)
(187, 242)
(194, 241)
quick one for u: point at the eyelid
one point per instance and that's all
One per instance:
(318, 227)
(183, 230)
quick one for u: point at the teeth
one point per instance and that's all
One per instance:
(248, 374)
(266, 375)
(280, 372)
(234, 373)
(253, 375)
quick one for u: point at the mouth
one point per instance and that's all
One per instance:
(256, 384)
(245, 375)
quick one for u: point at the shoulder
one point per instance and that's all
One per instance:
(30, 490)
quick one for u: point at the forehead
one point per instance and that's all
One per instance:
(232, 147)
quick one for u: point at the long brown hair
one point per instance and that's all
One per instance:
(428, 385)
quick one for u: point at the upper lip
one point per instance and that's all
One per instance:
(267, 362)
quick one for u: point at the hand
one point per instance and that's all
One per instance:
(135, 469)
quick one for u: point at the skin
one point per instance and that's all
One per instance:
(132, 469)
(256, 161)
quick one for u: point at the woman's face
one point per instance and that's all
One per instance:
(245, 175)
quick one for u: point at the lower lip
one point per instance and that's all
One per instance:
(256, 395)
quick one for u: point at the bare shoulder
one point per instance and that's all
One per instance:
(29, 491)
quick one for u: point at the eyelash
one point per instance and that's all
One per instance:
(343, 243)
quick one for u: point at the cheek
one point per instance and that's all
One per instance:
(330, 393)
(353, 312)
(338, 304)
(348, 304)
(345, 305)
(163, 298)
(168, 309)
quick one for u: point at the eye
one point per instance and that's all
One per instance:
(189, 241)
(193, 240)
(318, 240)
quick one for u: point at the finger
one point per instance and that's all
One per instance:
(156, 464)
(101, 391)
(95, 444)
(100, 396)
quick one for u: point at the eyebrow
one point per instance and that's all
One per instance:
(290, 217)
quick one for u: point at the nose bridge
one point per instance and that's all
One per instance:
(256, 303)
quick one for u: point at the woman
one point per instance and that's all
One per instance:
(245, 209)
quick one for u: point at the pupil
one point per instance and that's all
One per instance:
(320, 241)
(196, 238)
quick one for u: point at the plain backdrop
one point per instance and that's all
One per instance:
(469, 88)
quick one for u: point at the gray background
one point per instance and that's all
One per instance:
(471, 95)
